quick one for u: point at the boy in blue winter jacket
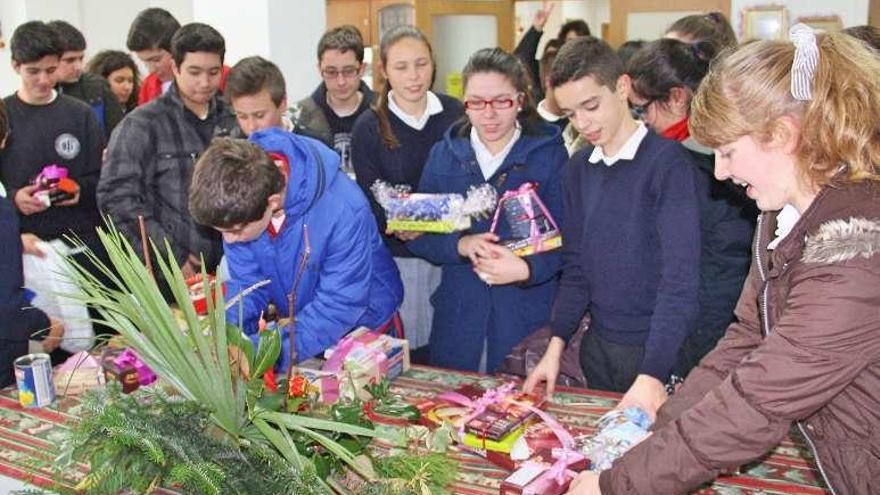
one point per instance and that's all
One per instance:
(288, 214)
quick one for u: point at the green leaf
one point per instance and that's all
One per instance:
(236, 337)
(268, 350)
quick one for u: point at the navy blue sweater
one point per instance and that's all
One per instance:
(631, 250)
(65, 132)
(19, 319)
(373, 160)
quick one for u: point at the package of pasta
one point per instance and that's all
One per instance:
(437, 213)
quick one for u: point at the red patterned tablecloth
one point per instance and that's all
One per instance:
(28, 439)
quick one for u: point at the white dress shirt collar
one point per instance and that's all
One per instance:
(418, 123)
(626, 152)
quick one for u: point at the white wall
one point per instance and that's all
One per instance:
(12, 13)
(248, 27)
(594, 12)
(284, 31)
(851, 12)
(294, 30)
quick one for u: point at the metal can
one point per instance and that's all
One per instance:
(33, 374)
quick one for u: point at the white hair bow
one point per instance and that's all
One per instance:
(806, 58)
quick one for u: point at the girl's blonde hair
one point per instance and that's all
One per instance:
(749, 90)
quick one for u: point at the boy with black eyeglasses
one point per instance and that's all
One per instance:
(328, 114)
(631, 249)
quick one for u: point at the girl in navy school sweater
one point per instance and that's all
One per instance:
(488, 297)
(390, 142)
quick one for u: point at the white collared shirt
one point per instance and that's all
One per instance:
(626, 152)
(785, 221)
(418, 123)
(545, 114)
(488, 162)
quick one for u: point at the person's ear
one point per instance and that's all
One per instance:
(175, 70)
(785, 135)
(15, 65)
(276, 202)
(362, 69)
(623, 88)
(283, 104)
(679, 99)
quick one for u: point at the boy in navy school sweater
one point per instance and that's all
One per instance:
(631, 244)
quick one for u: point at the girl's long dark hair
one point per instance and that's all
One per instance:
(108, 61)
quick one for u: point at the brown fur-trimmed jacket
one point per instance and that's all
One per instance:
(805, 350)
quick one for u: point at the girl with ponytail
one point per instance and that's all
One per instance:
(390, 142)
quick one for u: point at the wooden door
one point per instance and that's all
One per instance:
(354, 12)
(463, 27)
(620, 9)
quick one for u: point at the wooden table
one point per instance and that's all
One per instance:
(28, 439)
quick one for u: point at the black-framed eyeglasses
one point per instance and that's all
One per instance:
(496, 104)
(332, 73)
(639, 111)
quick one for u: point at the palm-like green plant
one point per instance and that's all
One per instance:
(191, 353)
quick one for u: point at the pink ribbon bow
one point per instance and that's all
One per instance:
(560, 470)
(492, 396)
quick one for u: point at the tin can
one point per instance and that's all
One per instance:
(33, 374)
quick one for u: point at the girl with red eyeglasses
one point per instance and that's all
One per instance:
(489, 299)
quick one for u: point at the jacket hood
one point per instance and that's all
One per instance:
(534, 135)
(313, 166)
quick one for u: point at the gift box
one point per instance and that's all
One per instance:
(536, 444)
(617, 432)
(497, 420)
(532, 228)
(53, 185)
(503, 446)
(543, 478)
(438, 213)
(360, 358)
(486, 420)
(80, 372)
(125, 367)
(437, 411)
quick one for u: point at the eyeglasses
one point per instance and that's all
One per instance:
(332, 73)
(639, 111)
(496, 104)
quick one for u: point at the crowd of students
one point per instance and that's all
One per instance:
(656, 161)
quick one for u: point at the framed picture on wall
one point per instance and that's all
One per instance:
(827, 23)
(395, 15)
(767, 22)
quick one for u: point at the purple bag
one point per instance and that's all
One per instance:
(526, 355)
